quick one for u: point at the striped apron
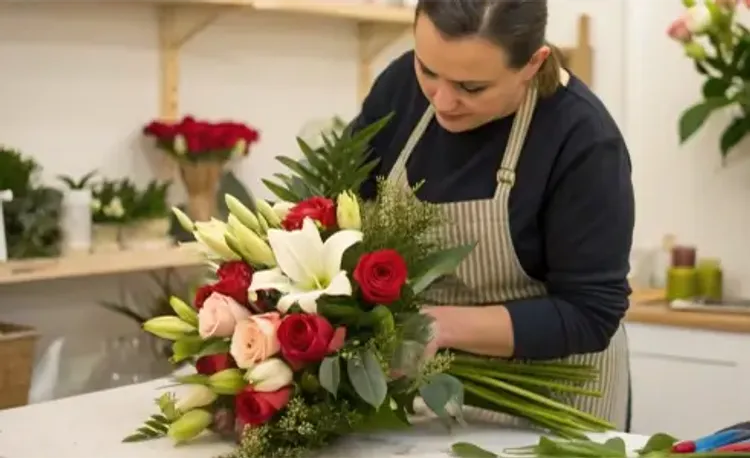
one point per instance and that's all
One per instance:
(492, 273)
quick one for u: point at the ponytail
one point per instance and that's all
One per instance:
(548, 76)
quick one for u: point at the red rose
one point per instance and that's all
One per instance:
(317, 208)
(201, 295)
(211, 364)
(234, 280)
(305, 338)
(381, 275)
(256, 408)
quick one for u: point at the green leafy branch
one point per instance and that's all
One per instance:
(726, 67)
(157, 425)
(342, 164)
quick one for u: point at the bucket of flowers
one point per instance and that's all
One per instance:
(201, 149)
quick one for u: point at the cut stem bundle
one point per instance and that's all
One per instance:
(529, 390)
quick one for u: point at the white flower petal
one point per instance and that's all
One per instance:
(306, 300)
(334, 248)
(298, 253)
(270, 279)
(339, 286)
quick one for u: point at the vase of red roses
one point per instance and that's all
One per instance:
(201, 149)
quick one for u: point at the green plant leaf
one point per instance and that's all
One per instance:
(186, 347)
(692, 119)
(733, 134)
(440, 391)
(659, 442)
(329, 374)
(407, 357)
(213, 347)
(367, 378)
(439, 264)
(715, 87)
(386, 418)
(467, 450)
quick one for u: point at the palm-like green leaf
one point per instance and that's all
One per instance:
(342, 164)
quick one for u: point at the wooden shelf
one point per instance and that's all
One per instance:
(180, 20)
(121, 262)
(370, 13)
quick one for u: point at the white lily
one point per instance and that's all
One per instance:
(307, 266)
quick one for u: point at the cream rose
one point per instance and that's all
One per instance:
(254, 340)
(219, 316)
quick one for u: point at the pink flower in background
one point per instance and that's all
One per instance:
(219, 316)
(679, 31)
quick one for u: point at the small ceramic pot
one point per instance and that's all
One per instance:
(105, 237)
(147, 234)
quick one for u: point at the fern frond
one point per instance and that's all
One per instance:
(342, 164)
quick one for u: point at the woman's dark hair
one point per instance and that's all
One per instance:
(516, 26)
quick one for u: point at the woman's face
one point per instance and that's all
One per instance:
(467, 80)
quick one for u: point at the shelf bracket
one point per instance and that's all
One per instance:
(373, 40)
(176, 30)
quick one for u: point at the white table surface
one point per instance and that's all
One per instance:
(93, 425)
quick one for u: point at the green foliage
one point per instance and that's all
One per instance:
(658, 446)
(157, 425)
(725, 64)
(112, 200)
(17, 172)
(32, 218)
(80, 183)
(343, 164)
(151, 202)
(367, 378)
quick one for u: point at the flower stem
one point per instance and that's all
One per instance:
(529, 380)
(532, 396)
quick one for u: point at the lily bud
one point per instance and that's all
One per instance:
(255, 249)
(198, 396)
(242, 213)
(189, 425)
(211, 235)
(183, 219)
(695, 51)
(168, 327)
(282, 208)
(184, 311)
(347, 211)
(267, 212)
(271, 375)
(228, 381)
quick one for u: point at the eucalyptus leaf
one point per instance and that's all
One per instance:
(442, 391)
(367, 378)
(439, 264)
(329, 374)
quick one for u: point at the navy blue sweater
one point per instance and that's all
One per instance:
(571, 208)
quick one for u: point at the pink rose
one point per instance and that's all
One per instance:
(254, 339)
(679, 31)
(219, 316)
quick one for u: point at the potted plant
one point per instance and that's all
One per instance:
(32, 217)
(109, 213)
(76, 213)
(201, 148)
(149, 218)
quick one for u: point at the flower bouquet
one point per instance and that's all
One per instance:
(719, 45)
(201, 149)
(311, 329)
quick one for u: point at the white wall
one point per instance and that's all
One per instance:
(78, 82)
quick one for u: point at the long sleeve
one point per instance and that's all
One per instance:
(588, 228)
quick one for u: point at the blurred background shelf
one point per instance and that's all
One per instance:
(120, 262)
